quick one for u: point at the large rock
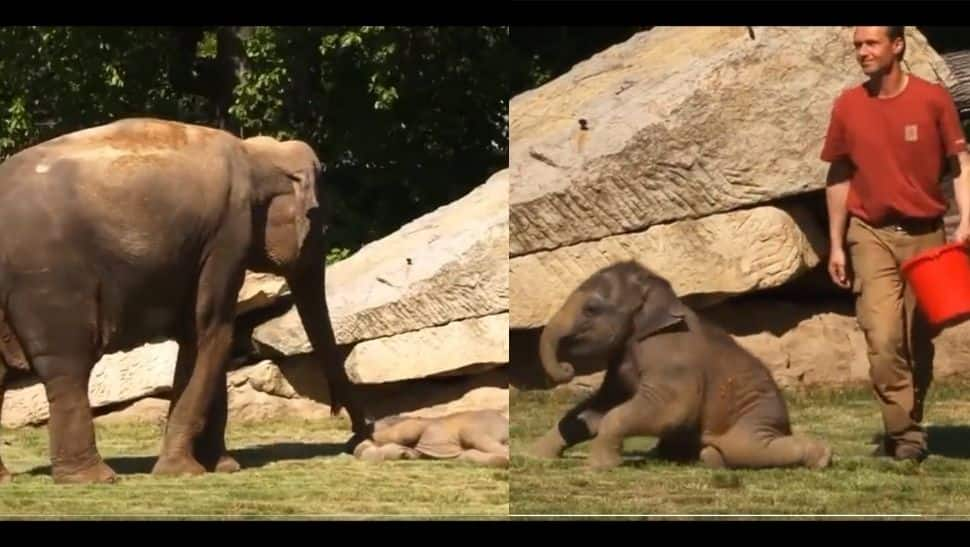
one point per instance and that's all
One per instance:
(296, 387)
(116, 378)
(260, 290)
(431, 351)
(819, 342)
(722, 254)
(681, 123)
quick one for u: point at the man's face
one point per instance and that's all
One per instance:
(873, 49)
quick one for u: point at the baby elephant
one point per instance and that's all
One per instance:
(669, 374)
(480, 436)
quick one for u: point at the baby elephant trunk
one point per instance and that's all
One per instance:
(558, 327)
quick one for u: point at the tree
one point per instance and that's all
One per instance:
(405, 119)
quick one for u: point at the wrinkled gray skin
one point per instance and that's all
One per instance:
(670, 375)
(479, 436)
(142, 230)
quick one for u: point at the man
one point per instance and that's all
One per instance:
(888, 142)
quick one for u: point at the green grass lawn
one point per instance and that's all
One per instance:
(292, 468)
(856, 484)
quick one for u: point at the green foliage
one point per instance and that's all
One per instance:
(405, 119)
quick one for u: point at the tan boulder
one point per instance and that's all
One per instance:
(721, 255)
(447, 349)
(681, 123)
(117, 378)
(296, 387)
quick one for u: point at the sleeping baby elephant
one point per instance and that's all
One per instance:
(480, 436)
(669, 374)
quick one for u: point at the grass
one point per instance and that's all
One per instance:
(856, 485)
(292, 468)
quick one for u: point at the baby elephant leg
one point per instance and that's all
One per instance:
(743, 448)
(641, 415)
(578, 425)
(404, 432)
(480, 457)
(483, 442)
(369, 451)
(394, 451)
(711, 457)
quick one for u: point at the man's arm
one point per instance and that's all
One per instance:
(955, 150)
(836, 195)
(960, 167)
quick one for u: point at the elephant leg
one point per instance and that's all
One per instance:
(744, 447)
(481, 442)
(74, 453)
(5, 475)
(210, 448)
(394, 451)
(57, 325)
(190, 418)
(367, 450)
(481, 457)
(405, 432)
(579, 424)
(641, 415)
(711, 457)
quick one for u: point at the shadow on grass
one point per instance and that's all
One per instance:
(249, 458)
(951, 441)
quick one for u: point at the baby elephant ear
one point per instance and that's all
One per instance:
(660, 309)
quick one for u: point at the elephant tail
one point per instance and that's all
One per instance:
(11, 351)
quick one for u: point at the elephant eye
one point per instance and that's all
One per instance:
(591, 308)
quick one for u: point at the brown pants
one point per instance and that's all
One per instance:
(899, 339)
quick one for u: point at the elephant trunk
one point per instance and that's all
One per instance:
(558, 327)
(309, 293)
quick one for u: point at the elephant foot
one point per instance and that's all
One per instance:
(174, 466)
(548, 447)
(399, 452)
(354, 442)
(5, 476)
(98, 473)
(604, 461)
(818, 455)
(227, 464)
(711, 457)
(369, 452)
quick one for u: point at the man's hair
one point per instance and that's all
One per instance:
(898, 32)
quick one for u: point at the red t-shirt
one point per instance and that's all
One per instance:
(898, 146)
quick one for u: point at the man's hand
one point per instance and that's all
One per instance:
(837, 268)
(962, 233)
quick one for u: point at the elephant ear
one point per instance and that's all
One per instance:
(305, 199)
(660, 309)
(289, 167)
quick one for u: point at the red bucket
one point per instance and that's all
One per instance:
(940, 278)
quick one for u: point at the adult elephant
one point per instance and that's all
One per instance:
(139, 230)
(671, 375)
